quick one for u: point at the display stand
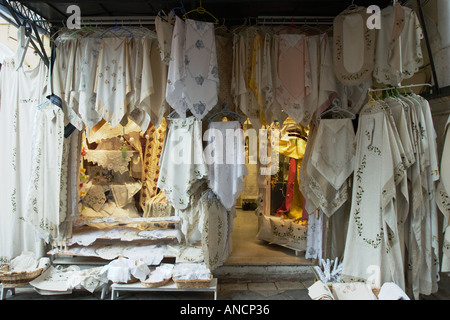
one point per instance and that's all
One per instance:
(172, 287)
(4, 291)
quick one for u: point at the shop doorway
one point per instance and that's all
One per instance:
(264, 227)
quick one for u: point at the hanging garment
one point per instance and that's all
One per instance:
(328, 83)
(202, 75)
(144, 85)
(225, 157)
(442, 199)
(372, 236)
(176, 71)
(164, 31)
(158, 207)
(44, 190)
(72, 83)
(113, 83)
(256, 75)
(430, 266)
(224, 50)
(89, 50)
(314, 241)
(273, 110)
(354, 46)
(334, 150)
(445, 161)
(182, 162)
(312, 99)
(291, 143)
(422, 273)
(150, 82)
(292, 205)
(21, 92)
(316, 187)
(61, 79)
(243, 46)
(137, 72)
(150, 161)
(286, 205)
(294, 73)
(398, 54)
(158, 105)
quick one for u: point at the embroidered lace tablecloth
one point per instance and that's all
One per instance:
(111, 159)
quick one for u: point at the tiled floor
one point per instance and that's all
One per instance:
(247, 249)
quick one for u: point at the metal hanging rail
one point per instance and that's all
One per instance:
(280, 20)
(118, 20)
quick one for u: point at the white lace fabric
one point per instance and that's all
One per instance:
(182, 164)
(334, 150)
(111, 159)
(226, 161)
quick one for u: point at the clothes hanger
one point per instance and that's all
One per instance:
(116, 28)
(293, 26)
(352, 6)
(307, 26)
(201, 10)
(371, 101)
(238, 30)
(226, 112)
(337, 109)
(173, 115)
(181, 8)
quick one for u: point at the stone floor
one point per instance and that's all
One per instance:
(227, 290)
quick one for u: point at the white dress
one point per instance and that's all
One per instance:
(372, 250)
(21, 92)
(225, 156)
(44, 190)
(113, 81)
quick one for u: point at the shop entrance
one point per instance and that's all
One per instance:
(269, 227)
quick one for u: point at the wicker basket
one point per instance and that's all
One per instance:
(17, 278)
(156, 284)
(192, 283)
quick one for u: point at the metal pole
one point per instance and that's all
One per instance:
(430, 53)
